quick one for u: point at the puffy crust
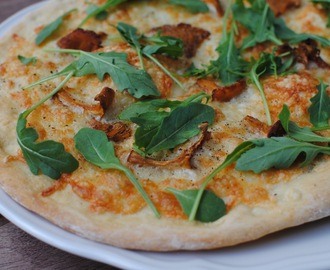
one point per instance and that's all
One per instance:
(259, 205)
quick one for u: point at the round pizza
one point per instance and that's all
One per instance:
(168, 125)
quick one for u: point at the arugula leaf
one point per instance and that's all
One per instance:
(181, 125)
(285, 33)
(160, 128)
(267, 64)
(100, 15)
(100, 11)
(26, 60)
(156, 105)
(210, 209)
(95, 147)
(155, 45)
(126, 77)
(49, 157)
(167, 45)
(279, 153)
(326, 6)
(193, 5)
(305, 134)
(230, 65)
(260, 20)
(51, 28)
(230, 159)
(319, 111)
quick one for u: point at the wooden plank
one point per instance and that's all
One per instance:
(18, 250)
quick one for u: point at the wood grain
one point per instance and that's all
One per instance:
(18, 250)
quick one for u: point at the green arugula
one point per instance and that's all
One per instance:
(229, 66)
(262, 154)
(210, 208)
(193, 5)
(95, 147)
(26, 60)
(148, 46)
(263, 25)
(319, 111)
(285, 33)
(126, 77)
(51, 28)
(304, 134)
(230, 159)
(100, 12)
(268, 64)
(49, 157)
(279, 153)
(164, 124)
(259, 19)
(326, 6)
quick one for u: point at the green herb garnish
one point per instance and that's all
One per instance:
(210, 208)
(51, 28)
(126, 77)
(49, 157)
(276, 152)
(319, 111)
(230, 159)
(193, 5)
(27, 60)
(95, 147)
(304, 134)
(148, 46)
(268, 64)
(99, 12)
(164, 124)
(229, 66)
(263, 25)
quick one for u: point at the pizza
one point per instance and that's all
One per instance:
(168, 125)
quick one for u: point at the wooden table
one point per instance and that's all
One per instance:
(18, 250)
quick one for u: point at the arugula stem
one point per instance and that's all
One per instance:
(231, 158)
(139, 53)
(276, 40)
(137, 185)
(256, 81)
(70, 51)
(164, 69)
(51, 94)
(44, 80)
(320, 128)
(104, 7)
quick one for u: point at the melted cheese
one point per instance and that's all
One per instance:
(111, 190)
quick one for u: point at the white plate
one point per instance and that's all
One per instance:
(305, 247)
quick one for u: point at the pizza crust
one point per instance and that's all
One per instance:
(304, 198)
